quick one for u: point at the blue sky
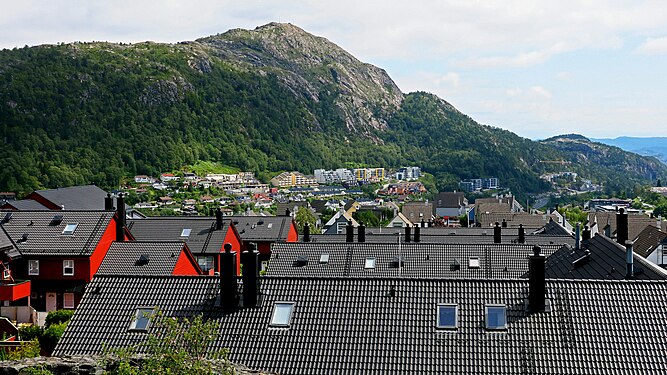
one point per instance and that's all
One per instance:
(537, 68)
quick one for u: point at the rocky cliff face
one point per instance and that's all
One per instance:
(314, 67)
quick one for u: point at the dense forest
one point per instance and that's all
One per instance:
(95, 112)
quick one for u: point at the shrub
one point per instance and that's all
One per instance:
(59, 316)
(31, 332)
(28, 349)
(51, 336)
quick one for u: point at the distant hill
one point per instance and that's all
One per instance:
(265, 100)
(649, 146)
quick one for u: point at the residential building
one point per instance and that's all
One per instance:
(149, 258)
(450, 204)
(292, 179)
(369, 174)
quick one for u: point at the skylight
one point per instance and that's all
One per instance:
(282, 314)
(70, 228)
(57, 219)
(448, 316)
(186, 232)
(324, 258)
(270, 225)
(369, 264)
(495, 316)
(473, 262)
(142, 319)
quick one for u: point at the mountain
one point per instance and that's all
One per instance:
(265, 100)
(647, 146)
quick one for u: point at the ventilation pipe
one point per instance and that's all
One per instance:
(361, 234)
(629, 260)
(586, 237)
(228, 294)
(250, 262)
(577, 236)
(537, 283)
(349, 232)
(120, 223)
(108, 202)
(497, 236)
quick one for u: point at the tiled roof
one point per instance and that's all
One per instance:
(416, 211)
(444, 239)
(513, 219)
(291, 206)
(552, 228)
(45, 237)
(605, 259)
(355, 326)
(267, 228)
(25, 204)
(88, 197)
(636, 222)
(6, 245)
(648, 239)
(419, 260)
(448, 199)
(203, 238)
(123, 258)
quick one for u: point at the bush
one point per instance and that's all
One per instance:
(51, 336)
(59, 316)
(29, 349)
(31, 332)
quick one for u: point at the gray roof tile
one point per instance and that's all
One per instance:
(202, 239)
(123, 258)
(264, 228)
(88, 197)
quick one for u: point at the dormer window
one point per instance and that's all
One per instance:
(495, 316)
(448, 316)
(142, 319)
(186, 232)
(69, 229)
(282, 314)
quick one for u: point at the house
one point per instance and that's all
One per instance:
(143, 179)
(264, 231)
(22, 205)
(61, 251)
(400, 221)
(450, 204)
(205, 237)
(418, 211)
(13, 291)
(651, 243)
(318, 325)
(88, 197)
(351, 206)
(337, 223)
(149, 258)
(292, 179)
(604, 222)
(166, 177)
(513, 220)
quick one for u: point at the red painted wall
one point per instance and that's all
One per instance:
(293, 235)
(186, 265)
(102, 248)
(12, 292)
(233, 238)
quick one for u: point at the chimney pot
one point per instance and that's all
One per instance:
(522, 234)
(577, 236)
(218, 219)
(621, 227)
(228, 293)
(504, 225)
(108, 202)
(629, 260)
(120, 224)
(227, 247)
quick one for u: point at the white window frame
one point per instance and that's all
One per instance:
(140, 314)
(490, 306)
(186, 232)
(456, 315)
(206, 259)
(33, 267)
(70, 228)
(281, 305)
(6, 274)
(67, 262)
(65, 300)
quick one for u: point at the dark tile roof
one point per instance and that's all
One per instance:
(203, 238)
(45, 236)
(6, 245)
(291, 206)
(419, 260)
(124, 258)
(648, 239)
(487, 220)
(416, 211)
(24, 204)
(448, 199)
(353, 326)
(552, 228)
(88, 197)
(446, 239)
(636, 222)
(266, 228)
(605, 259)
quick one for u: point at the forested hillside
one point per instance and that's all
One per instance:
(275, 98)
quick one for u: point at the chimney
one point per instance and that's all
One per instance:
(287, 212)
(408, 230)
(621, 227)
(349, 232)
(417, 234)
(497, 237)
(218, 219)
(423, 223)
(361, 233)
(537, 284)
(306, 233)
(250, 262)
(504, 223)
(522, 234)
(108, 202)
(120, 224)
(607, 229)
(577, 236)
(228, 296)
(586, 237)
(629, 260)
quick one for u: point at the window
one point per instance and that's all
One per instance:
(186, 232)
(68, 267)
(6, 274)
(142, 319)
(324, 258)
(68, 300)
(70, 228)
(33, 267)
(282, 314)
(495, 316)
(205, 262)
(473, 262)
(369, 264)
(448, 316)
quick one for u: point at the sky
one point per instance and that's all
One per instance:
(536, 68)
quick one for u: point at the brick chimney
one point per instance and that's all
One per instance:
(537, 284)
(228, 294)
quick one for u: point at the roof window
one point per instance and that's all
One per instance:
(270, 225)
(57, 219)
(7, 217)
(301, 261)
(495, 316)
(282, 314)
(324, 258)
(142, 319)
(448, 316)
(473, 262)
(186, 232)
(143, 260)
(369, 264)
(70, 228)
(397, 261)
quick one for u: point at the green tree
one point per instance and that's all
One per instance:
(305, 215)
(367, 218)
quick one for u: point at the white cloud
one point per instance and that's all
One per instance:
(653, 46)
